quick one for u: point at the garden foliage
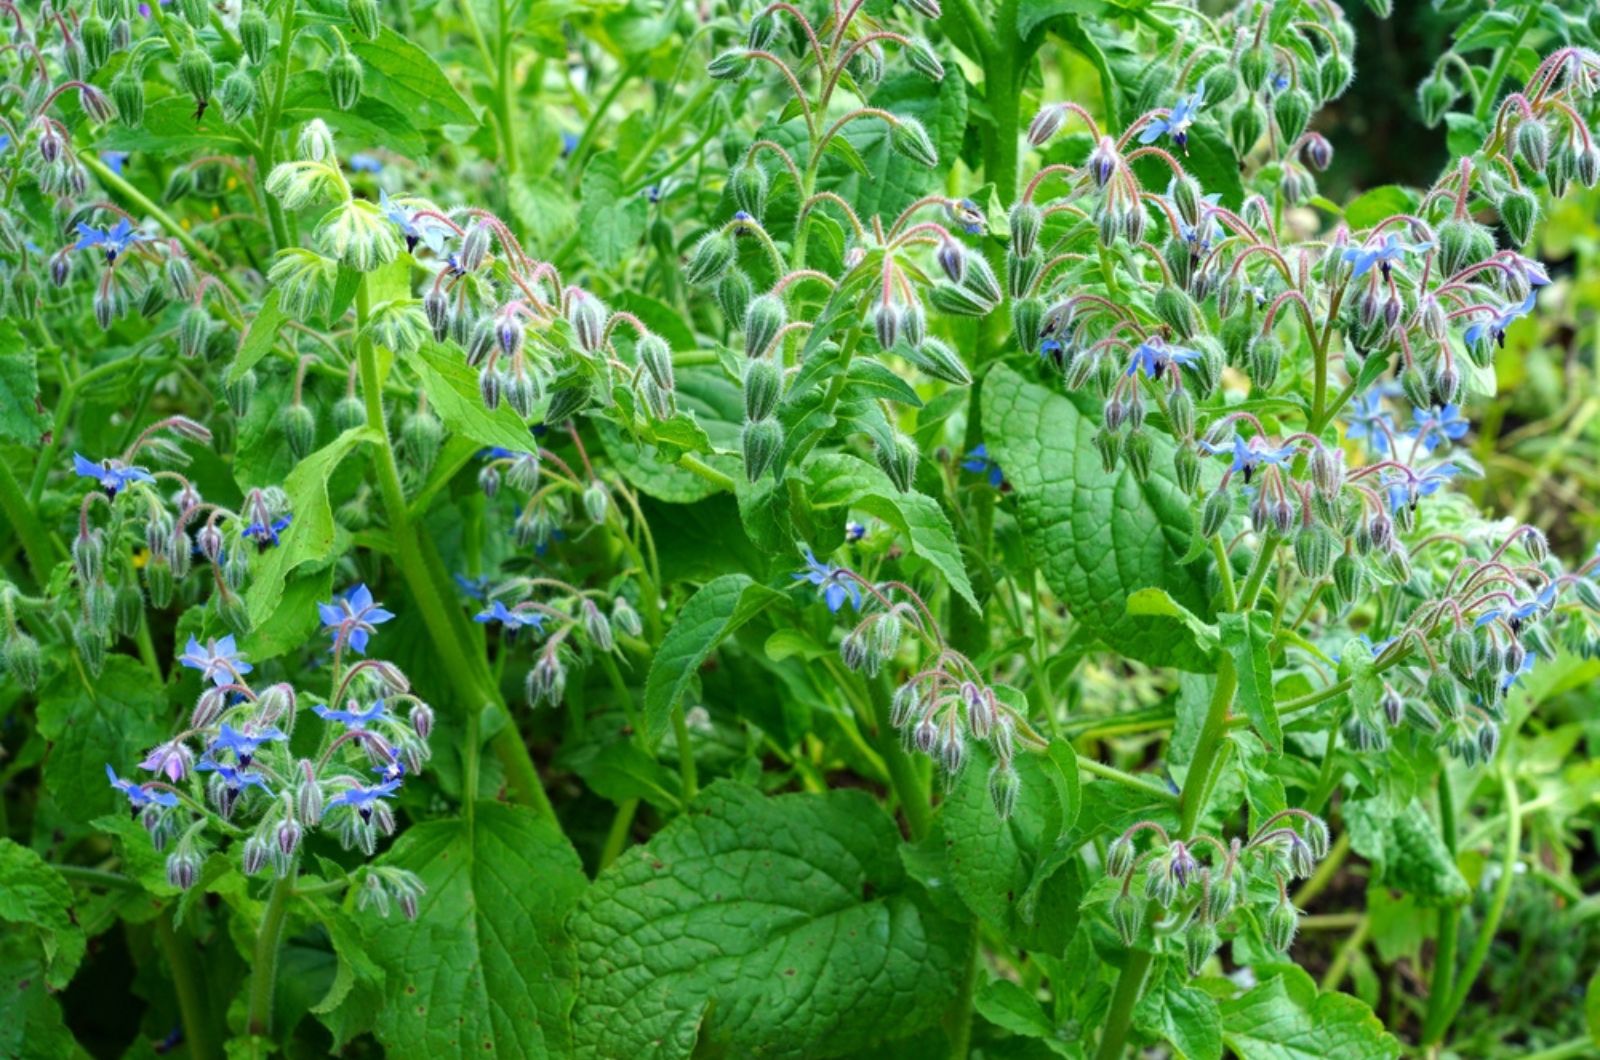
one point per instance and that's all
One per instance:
(797, 529)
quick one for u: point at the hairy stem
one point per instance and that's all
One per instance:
(264, 977)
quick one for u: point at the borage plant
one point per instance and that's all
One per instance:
(888, 529)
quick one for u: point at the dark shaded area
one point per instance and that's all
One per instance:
(1376, 128)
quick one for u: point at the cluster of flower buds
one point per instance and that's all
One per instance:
(1198, 888)
(941, 700)
(240, 772)
(159, 536)
(1465, 636)
(587, 619)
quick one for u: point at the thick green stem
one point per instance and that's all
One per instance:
(269, 125)
(464, 665)
(1497, 909)
(617, 837)
(908, 788)
(1502, 62)
(189, 986)
(1130, 984)
(264, 976)
(686, 766)
(958, 1017)
(37, 543)
(1441, 981)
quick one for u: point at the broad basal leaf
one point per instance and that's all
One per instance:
(781, 927)
(487, 968)
(1097, 537)
(1285, 1018)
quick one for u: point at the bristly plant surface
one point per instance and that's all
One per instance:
(788, 529)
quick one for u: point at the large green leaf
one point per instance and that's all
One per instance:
(487, 968)
(1285, 1018)
(1248, 639)
(611, 220)
(842, 480)
(1184, 1015)
(716, 610)
(993, 863)
(452, 390)
(36, 900)
(114, 722)
(309, 537)
(20, 417)
(782, 927)
(1098, 538)
(717, 406)
(258, 337)
(403, 75)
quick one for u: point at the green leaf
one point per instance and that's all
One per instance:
(1406, 851)
(1011, 1008)
(309, 537)
(992, 862)
(611, 220)
(1591, 1007)
(1248, 638)
(886, 182)
(780, 927)
(1157, 603)
(35, 896)
(452, 390)
(403, 75)
(114, 722)
(1285, 1018)
(717, 405)
(21, 419)
(487, 968)
(720, 607)
(842, 480)
(1379, 204)
(1097, 538)
(31, 1022)
(1184, 1016)
(372, 122)
(257, 340)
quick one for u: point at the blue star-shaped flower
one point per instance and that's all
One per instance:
(1406, 491)
(114, 160)
(361, 162)
(113, 476)
(236, 779)
(113, 241)
(139, 795)
(474, 588)
(265, 535)
(351, 719)
(219, 661)
(1517, 614)
(361, 798)
(392, 770)
(1154, 357)
(1247, 456)
(1370, 423)
(244, 745)
(1438, 426)
(978, 462)
(1177, 122)
(854, 531)
(836, 585)
(1495, 327)
(353, 616)
(1384, 255)
(511, 619)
